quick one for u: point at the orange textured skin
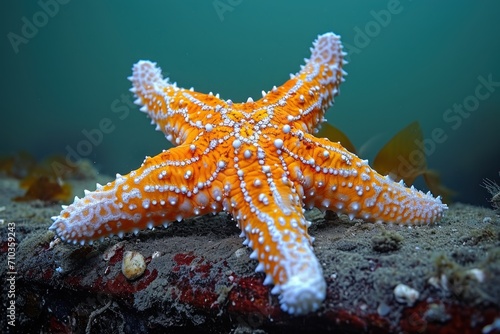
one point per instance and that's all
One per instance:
(256, 160)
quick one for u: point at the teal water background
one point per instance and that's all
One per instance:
(65, 63)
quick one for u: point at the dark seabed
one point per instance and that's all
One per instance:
(199, 277)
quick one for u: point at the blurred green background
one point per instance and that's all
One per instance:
(65, 63)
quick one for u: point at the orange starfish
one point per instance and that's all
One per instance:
(259, 162)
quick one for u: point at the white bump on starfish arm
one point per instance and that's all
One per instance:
(278, 143)
(236, 143)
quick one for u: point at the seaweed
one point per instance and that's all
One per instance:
(39, 179)
(494, 190)
(386, 241)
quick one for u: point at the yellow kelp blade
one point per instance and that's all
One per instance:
(433, 182)
(335, 135)
(402, 157)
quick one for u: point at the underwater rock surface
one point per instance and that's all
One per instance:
(199, 276)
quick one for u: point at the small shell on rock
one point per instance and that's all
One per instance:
(133, 265)
(111, 251)
(486, 220)
(240, 252)
(439, 282)
(476, 274)
(54, 242)
(406, 295)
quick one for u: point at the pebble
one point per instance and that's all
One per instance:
(476, 274)
(383, 309)
(133, 265)
(405, 294)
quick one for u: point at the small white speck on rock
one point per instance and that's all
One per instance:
(405, 294)
(383, 309)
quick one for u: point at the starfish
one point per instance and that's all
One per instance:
(258, 161)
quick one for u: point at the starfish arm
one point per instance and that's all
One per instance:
(181, 114)
(270, 214)
(174, 185)
(303, 100)
(335, 179)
